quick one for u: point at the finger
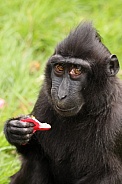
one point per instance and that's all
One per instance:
(20, 131)
(20, 142)
(20, 124)
(21, 137)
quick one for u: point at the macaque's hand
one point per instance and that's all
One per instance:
(17, 132)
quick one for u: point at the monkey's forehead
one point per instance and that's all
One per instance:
(68, 60)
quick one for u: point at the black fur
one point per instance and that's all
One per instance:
(85, 148)
(84, 42)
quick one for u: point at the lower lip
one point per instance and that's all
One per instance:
(64, 110)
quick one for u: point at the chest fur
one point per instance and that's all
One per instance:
(76, 148)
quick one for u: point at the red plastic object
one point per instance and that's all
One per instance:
(38, 125)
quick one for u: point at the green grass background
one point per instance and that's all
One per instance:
(29, 32)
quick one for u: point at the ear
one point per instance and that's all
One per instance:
(112, 65)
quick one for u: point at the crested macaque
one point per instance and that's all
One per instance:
(81, 99)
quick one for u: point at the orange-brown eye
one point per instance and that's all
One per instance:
(75, 71)
(59, 68)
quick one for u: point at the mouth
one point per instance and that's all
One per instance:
(64, 110)
(69, 111)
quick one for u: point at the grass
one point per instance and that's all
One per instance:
(29, 32)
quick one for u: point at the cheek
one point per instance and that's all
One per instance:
(75, 95)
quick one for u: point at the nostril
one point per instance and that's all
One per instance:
(61, 97)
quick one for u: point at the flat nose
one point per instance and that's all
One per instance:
(63, 89)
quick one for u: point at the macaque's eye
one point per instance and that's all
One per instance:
(75, 71)
(59, 69)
